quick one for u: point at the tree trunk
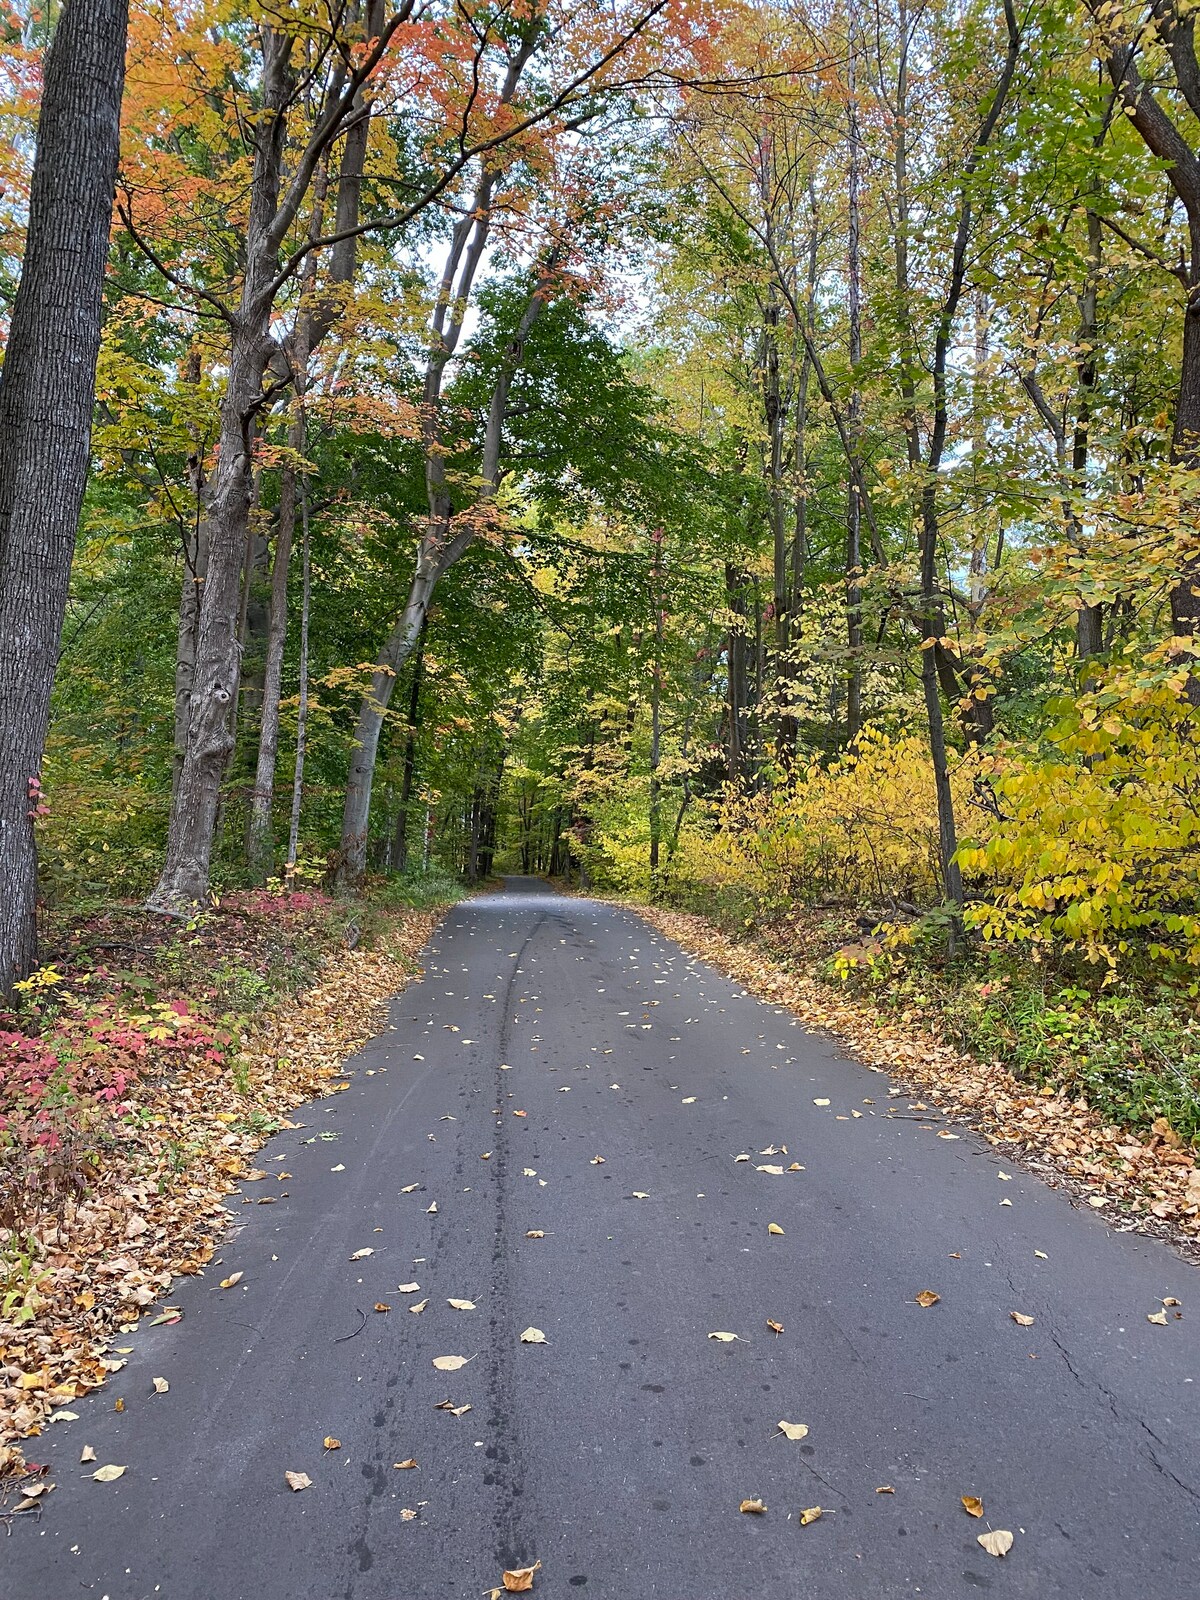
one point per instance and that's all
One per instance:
(400, 842)
(854, 629)
(302, 709)
(260, 846)
(184, 879)
(47, 391)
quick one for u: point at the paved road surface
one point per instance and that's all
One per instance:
(617, 1453)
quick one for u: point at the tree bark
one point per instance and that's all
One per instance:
(47, 391)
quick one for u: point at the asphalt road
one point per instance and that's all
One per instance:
(617, 1452)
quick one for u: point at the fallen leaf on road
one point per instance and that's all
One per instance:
(520, 1113)
(486, 1156)
(109, 1474)
(810, 1514)
(773, 1227)
(776, 1172)
(769, 1151)
(341, 1167)
(520, 1579)
(533, 1336)
(535, 1233)
(1006, 1202)
(775, 1327)
(998, 1542)
(161, 1386)
(462, 1305)
(752, 1505)
(228, 1283)
(409, 1187)
(926, 1298)
(1171, 1301)
(597, 1161)
(885, 1488)
(403, 1466)
(331, 1443)
(795, 1167)
(88, 1454)
(408, 1288)
(1041, 1255)
(418, 1306)
(972, 1505)
(361, 1255)
(725, 1338)
(63, 1416)
(256, 1175)
(690, 1101)
(380, 1305)
(794, 1430)
(119, 1405)
(742, 1157)
(531, 1172)
(1159, 1318)
(451, 1363)
(431, 1210)
(1021, 1320)
(407, 1514)
(820, 1102)
(640, 1194)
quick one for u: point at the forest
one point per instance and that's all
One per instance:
(733, 459)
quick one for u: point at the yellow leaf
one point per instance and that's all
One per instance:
(638, 1194)
(972, 1505)
(109, 1474)
(725, 1338)
(535, 1233)
(998, 1542)
(794, 1430)
(418, 1306)
(810, 1514)
(533, 1336)
(298, 1480)
(361, 1255)
(331, 1443)
(161, 1386)
(520, 1580)
(773, 1227)
(409, 1187)
(403, 1466)
(752, 1505)
(380, 1305)
(88, 1454)
(885, 1488)
(408, 1288)
(1159, 1318)
(462, 1305)
(1021, 1320)
(228, 1283)
(450, 1363)
(775, 1327)
(927, 1298)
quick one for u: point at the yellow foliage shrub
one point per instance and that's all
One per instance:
(1099, 843)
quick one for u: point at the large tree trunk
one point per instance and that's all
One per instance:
(208, 742)
(47, 391)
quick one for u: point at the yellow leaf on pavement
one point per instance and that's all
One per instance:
(998, 1542)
